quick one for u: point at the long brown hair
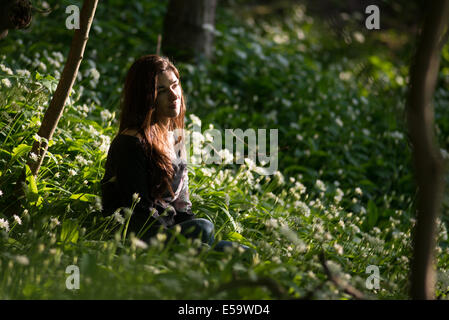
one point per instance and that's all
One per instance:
(138, 108)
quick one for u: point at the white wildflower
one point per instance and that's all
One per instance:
(195, 120)
(345, 75)
(105, 143)
(105, 115)
(80, 159)
(359, 37)
(138, 243)
(355, 228)
(338, 248)
(278, 175)
(303, 208)
(136, 198)
(118, 217)
(161, 237)
(207, 171)
(339, 195)
(94, 73)
(23, 260)
(320, 185)
(58, 56)
(339, 122)
(6, 69)
(37, 137)
(272, 223)
(396, 135)
(358, 191)
(4, 224)
(72, 172)
(300, 187)
(208, 137)
(250, 163)
(33, 156)
(54, 222)
(17, 219)
(42, 67)
(6, 82)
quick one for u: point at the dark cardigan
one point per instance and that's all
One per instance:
(127, 172)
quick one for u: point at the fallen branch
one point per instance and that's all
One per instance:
(347, 288)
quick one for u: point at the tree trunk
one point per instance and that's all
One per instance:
(56, 108)
(14, 14)
(429, 172)
(188, 29)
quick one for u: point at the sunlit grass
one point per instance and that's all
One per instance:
(344, 186)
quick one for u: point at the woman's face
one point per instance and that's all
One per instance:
(168, 101)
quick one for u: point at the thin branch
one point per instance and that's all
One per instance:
(347, 288)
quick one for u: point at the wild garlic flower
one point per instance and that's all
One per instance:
(17, 219)
(54, 222)
(6, 82)
(4, 224)
(136, 242)
(118, 217)
(320, 185)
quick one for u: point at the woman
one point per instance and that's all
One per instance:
(147, 158)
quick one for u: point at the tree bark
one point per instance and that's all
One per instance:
(14, 14)
(188, 29)
(427, 158)
(68, 76)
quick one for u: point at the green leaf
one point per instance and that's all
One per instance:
(373, 214)
(85, 197)
(32, 192)
(230, 218)
(20, 150)
(69, 231)
(237, 237)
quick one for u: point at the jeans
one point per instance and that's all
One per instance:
(204, 229)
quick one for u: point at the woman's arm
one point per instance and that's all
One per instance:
(133, 177)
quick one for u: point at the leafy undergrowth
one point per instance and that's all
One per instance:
(344, 187)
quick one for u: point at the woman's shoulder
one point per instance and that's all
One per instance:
(125, 143)
(131, 133)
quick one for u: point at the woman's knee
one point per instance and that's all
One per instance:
(197, 227)
(205, 225)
